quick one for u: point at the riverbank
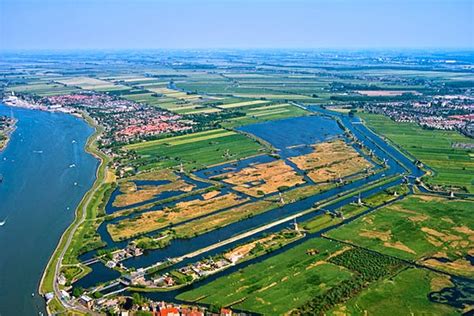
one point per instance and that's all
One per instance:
(38, 195)
(6, 131)
(84, 211)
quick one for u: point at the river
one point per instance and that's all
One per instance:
(46, 171)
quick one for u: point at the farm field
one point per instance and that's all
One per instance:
(433, 231)
(88, 83)
(195, 151)
(310, 278)
(242, 104)
(262, 113)
(43, 89)
(452, 166)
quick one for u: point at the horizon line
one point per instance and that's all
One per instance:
(321, 48)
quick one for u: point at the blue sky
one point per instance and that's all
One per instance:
(116, 24)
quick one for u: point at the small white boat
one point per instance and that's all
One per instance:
(73, 165)
(3, 222)
(38, 151)
(73, 141)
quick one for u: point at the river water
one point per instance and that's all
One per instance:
(39, 193)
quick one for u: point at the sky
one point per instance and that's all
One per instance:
(167, 24)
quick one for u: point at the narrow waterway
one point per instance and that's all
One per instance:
(396, 163)
(45, 174)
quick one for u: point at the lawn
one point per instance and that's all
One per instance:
(452, 166)
(418, 228)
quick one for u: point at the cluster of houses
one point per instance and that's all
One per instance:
(447, 112)
(180, 276)
(123, 120)
(204, 267)
(118, 306)
(128, 252)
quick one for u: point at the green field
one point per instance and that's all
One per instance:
(276, 285)
(195, 151)
(418, 228)
(258, 113)
(405, 294)
(43, 89)
(309, 279)
(452, 166)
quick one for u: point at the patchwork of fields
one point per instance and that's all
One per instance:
(433, 231)
(243, 166)
(197, 150)
(279, 284)
(452, 166)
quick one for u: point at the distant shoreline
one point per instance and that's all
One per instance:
(14, 101)
(8, 133)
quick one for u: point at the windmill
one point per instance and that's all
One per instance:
(295, 225)
(282, 201)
